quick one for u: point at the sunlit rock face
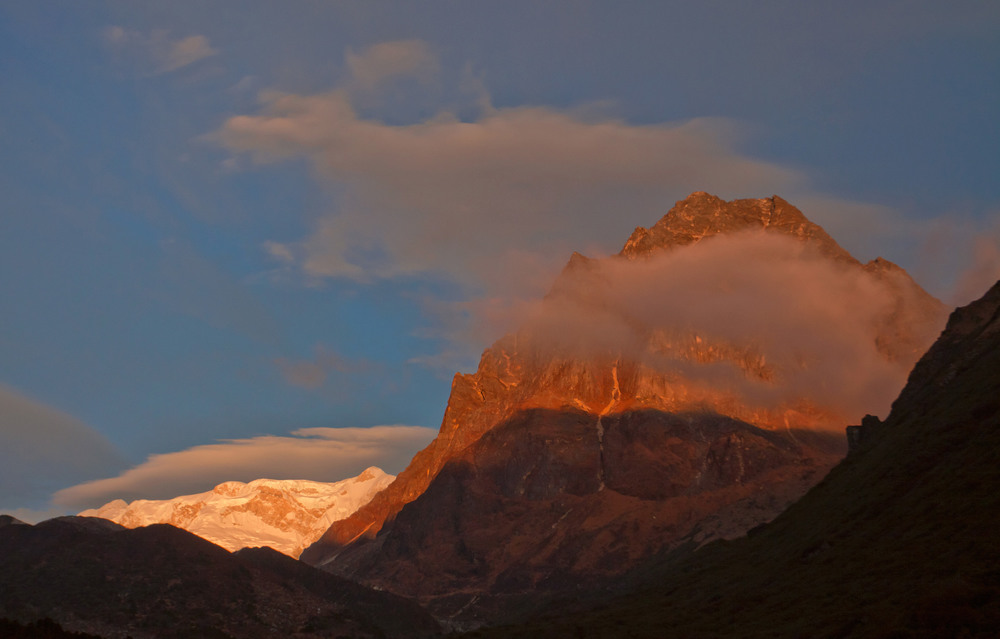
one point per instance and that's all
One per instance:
(743, 317)
(286, 515)
(702, 215)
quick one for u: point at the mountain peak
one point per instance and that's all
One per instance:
(372, 472)
(611, 357)
(9, 520)
(701, 215)
(285, 514)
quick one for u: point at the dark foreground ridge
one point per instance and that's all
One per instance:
(92, 575)
(898, 541)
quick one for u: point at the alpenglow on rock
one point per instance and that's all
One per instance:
(686, 389)
(284, 514)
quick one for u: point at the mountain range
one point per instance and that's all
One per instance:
(286, 515)
(658, 450)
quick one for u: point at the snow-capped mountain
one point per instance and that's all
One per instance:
(285, 514)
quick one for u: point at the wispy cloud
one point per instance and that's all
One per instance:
(325, 363)
(385, 61)
(498, 200)
(43, 449)
(955, 255)
(982, 272)
(812, 324)
(157, 51)
(455, 197)
(319, 454)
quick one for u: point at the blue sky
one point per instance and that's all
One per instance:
(242, 222)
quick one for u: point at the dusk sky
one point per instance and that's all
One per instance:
(235, 236)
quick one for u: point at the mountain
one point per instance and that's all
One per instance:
(688, 388)
(899, 540)
(92, 575)
(286, 515)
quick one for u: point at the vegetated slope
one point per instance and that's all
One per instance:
(92, 575)
(284, 514)
(899, 540)
(710, 344)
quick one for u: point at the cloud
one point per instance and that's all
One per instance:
(805, 327)
(498, 199)
(186, 51)
(338, 376)
(43, 449)
(453, 198)
(318, 454)
(157, 52)
(305, 374)
(982, 273)
(385, 61)
(864, 229)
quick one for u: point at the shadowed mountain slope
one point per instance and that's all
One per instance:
(554, 501)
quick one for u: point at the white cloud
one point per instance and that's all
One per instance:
(337, 377)
(385, 61)
(157, 52)
(456, 198)
(43, 449)
(304, 374)
(982, 273)
(498, 201)
(319, 454)
(811, 323)
(185, 51)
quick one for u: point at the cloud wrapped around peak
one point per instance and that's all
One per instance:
(814, 323)
(455, 197)
(318, 454)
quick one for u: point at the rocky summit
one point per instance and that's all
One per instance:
(687, 389)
